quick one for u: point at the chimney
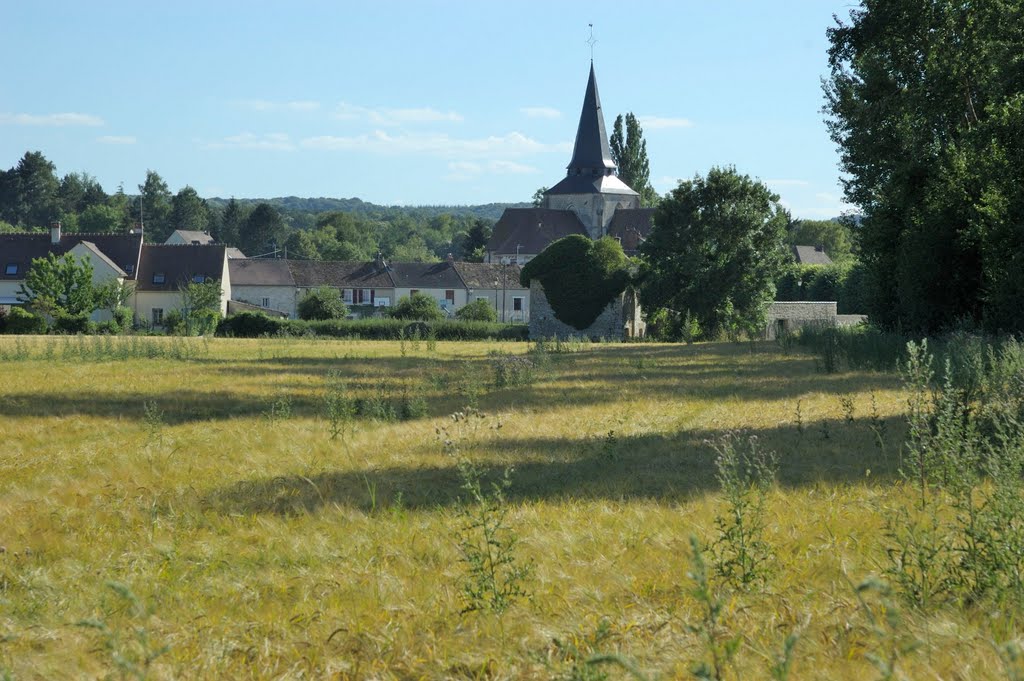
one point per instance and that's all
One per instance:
(55, 233)
(379, 262)
(451, 258)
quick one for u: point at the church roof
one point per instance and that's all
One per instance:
(631, 226)
(583, 184)
(532, 229)
(591, 154)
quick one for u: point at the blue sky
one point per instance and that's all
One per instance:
(415, 102)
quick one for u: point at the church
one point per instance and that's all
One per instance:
(590, 200)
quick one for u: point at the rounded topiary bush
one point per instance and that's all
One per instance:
(479, 310)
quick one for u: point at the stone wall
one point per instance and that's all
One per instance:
(788, 317)
(609, 324)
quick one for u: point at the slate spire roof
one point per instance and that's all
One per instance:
(591, 155)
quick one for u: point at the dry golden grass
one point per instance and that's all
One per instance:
(261, 548)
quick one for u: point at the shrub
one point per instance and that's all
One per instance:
(322, 303)
(256, 324)
(123, 317)
(480, 310)
(249, 325)
(21, 321)
(3, 320)
(72, 324)
(417, 306)
(174, 323)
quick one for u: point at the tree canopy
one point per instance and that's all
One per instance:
(580, 277)
(629, 151)
(322, 303)
(715, 251)
(60, 286)
(924, 99)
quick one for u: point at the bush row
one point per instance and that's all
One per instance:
(844, 283)
(257, 324)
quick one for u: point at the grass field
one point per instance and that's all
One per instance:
(205, 481)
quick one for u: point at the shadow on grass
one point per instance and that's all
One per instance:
(667, 469)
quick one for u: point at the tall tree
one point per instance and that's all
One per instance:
(79, 191)
(32, 192)
(924, 101)
(629, 151)
(833, 235)
(263, 231)
(189, 211)
(155, 200)
(228, 230)
(715, 251)
(60, 286)
(474, 246)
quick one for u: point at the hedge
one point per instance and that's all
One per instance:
(257, 324)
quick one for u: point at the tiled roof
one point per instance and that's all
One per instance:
(121, 249)
(811, 255)
(259, 272)
(591, 184)
(178, 264)
(340, 274)
(425, 275)
(189, 236)
(532, 229)
(488, 274)
(631, 226)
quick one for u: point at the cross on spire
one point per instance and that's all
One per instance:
(591, 41)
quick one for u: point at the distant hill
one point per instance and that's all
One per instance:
(295, 204)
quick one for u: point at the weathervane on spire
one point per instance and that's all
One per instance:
(591, 41)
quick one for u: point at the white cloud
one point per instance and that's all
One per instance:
(384, 116)
(437, 144)
(663, 122)
(787, 183)
(117, 139)
(269, 105)
(541, 112)
(54, 120)
(466, 170)
(275, 141)
(665, 183)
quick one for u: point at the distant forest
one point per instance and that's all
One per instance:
(33, 196)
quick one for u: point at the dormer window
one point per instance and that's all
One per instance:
(198, 278)
(159, 278)
(11, 269)
(129, 268)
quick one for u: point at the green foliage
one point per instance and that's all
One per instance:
(153, 207)
(322, 303)
(843, 283)
(719, 645)
(580, 277)
(262, 231)
(189, 211)
(629, 152)
(101, 219)
(256, 324)
(23, 322)
(479, 310)
(174, 323)
(200, 307)
(716, 250)
(834, 236)
(418, 306)
(924, 102)
(60, 286)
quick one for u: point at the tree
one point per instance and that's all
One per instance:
(229, 228)
(154, 207)
(538, 197)
(832, 235)
(189, 211)
(262, 231)
(78, 192)
(418, 306)
(480, 310)
(473, 247)
(924, 102)
(715, 251)
(629, 151)
(580, 277)
(36, 201)
(60, 287)
(322, 303)
(100, 219)
(200, 306)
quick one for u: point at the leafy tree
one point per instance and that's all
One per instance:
(100, 219)
(200, 307)
(716, 250)
(262, 231)
(580, 277)
(154, 207)
(414, 249)
(418, 306)
(229, 229)
(924, 101)
(833, 235)
(322, 303)
(60, 287)
(473, 247)
(29, 192)
(189, 211)
(629, 151)
(480, 310)
(538, 197)
(78, 192)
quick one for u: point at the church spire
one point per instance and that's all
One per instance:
(591, 155)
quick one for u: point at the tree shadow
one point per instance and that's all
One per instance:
(663, 468)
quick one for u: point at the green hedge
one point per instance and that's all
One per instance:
(844, 283)
(256, 325)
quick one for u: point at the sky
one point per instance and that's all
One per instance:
(415, 103)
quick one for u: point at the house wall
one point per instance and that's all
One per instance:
(437, 294)
(789, 317)
(282, 298)
(143, 303)
(610, 324)
(506, 311)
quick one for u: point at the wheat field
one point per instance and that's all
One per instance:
(175, 509)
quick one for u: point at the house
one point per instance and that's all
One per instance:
(810, 255)
(166, 269)
(363, 285)
(195, 238)
(499, 285)
(112, 256)
(264, 283)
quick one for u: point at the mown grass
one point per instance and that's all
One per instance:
(260, 547)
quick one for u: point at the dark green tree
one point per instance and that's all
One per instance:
(833, 235)
(538, 197)
(262, 232)
(32, 192)
(580, 277)
(473, 247)
(189, 211)
(418, 306)
(79, 191)
(629, 151)
(924, 101)
(60, 287)
(229, 228)
(200, 306)
(100, 219)
(715, 251)
(322, 303)
(153, 208)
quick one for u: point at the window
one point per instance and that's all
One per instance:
(346, 295)
(158, 316)
(158, 279)
(413, 291)
(11, 269)
(129, 268)
(266, 302)
(517, 304)
(449, 297)
(198, 278)
(364, 296)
